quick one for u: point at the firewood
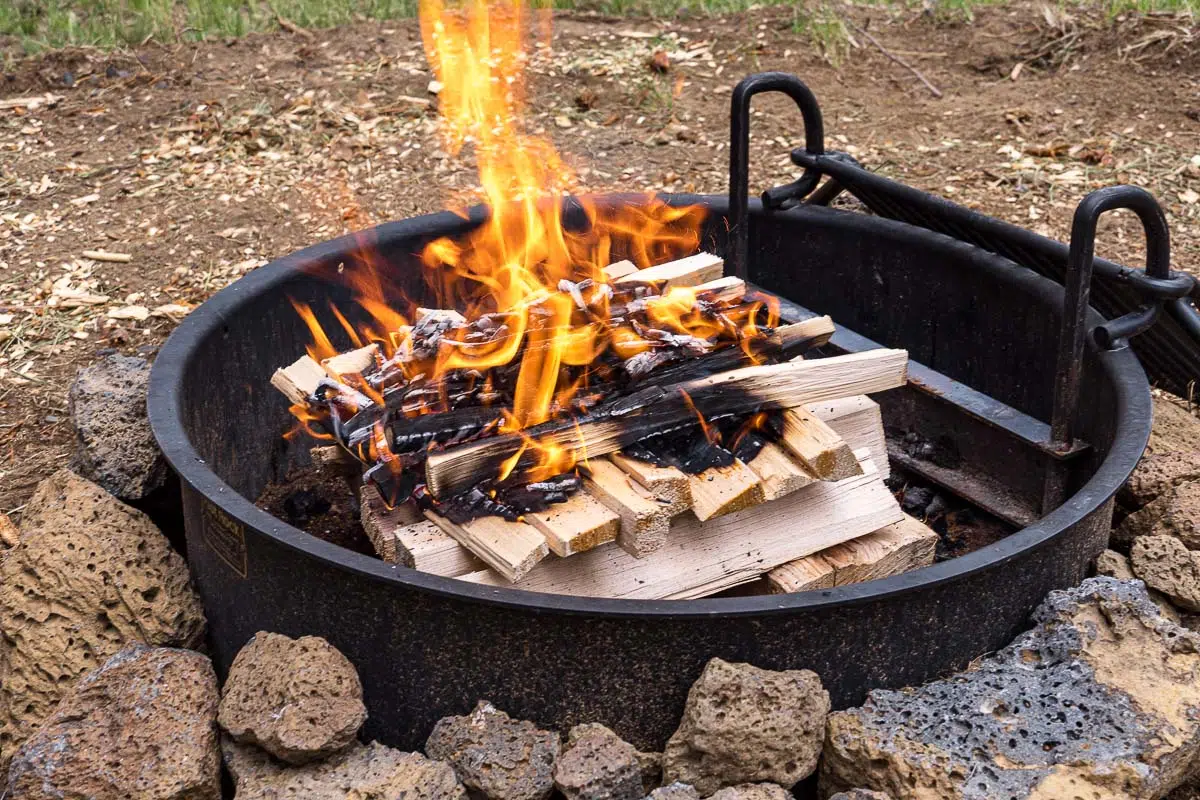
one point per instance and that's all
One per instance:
(779, 472)
(351, 362)
(668, 485)
(688, 271)
(645, 518)
(332, 456)
(577, 525)
(627, 419)
(723, 490)
(619, 269)
(858, 421)
(896, 548)
(380, 523)
(441, 313)
(299, 379)
(817, 446)
(703, 558)
(509, 548)
(728, 289)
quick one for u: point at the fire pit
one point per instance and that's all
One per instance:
(999, 357)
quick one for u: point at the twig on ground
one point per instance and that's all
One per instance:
(936, 92)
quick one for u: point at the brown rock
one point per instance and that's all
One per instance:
(860, 794)
(598, 765)
(298, 699)
(1175, 512)
(107, 403)
(674, 791)
(1112, 564)
(1096, 701)
(650, 765)
(87, 576)
(1168, 567)
(743, 724)
(363, 772)
(753, 791)
(141, 726)
(504, 758)
(1172, 456)
(8, 532)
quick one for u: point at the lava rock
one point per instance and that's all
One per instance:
(753, 791)
(598, 765)
(1168, 567)
(1175, 512)
(142, 725)
(298, 699)
(87, 576)
(860, 794)
(504, 758)
(916, 500)
(650, 765)
(743, 724)
(674, 791)
(107, 403)
(1112, 564)
(369, 772)
(1172, 455)
(1097, 700)
(8, 533)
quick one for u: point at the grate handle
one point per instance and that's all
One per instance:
(739, 155)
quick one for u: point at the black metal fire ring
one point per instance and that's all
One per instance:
(207, 320)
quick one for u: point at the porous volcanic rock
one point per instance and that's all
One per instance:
(1098, 700)
(142, 726)
(298, 699)
(674, 791)
(1172, 455)
(491, 752)
(1168, 567)
(87, 576)
(597, 764)
(1112, 564)
(743, 724)
(1175, 512)
(860, 794)
(107, 403)
(753, 791)
(366, 772)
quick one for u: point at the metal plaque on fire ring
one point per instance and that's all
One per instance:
(224, 535)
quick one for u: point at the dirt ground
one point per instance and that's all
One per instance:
(205, 161)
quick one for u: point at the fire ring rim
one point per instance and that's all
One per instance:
(1131, 387)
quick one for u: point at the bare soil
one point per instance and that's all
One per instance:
(205, 161)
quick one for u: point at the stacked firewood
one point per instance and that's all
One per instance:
(700, 463)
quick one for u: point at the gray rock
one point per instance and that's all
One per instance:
(743, 724)
(1171, 457)
(1168, 567)
(298, 699)
(364, 772)
(107, 403)
(674, 791)
(753, 791)
(142, 725)
(504, 758)
(1097, 700)
(598, 765)
(87, 576)
(860, 794)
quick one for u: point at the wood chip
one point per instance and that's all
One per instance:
(104, 255)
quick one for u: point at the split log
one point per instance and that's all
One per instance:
(728, 289)
(332, 456)
(441, 313)
(352, 362)
(669, 485)
(577, 525)
(689, 271)
(625, 420)
(899, 547)
(817, 446)
(779, 472)
(645, 517)
(510, 548)
(858, 421)
(403, 536)
(702, 558)
(299, 379)
(619, 269)
(723, 490)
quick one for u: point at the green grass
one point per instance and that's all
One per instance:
(41, 24)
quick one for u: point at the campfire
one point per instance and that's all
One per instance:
(602, 393)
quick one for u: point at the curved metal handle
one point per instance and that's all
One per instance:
(739, 155)
(1157, 284)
